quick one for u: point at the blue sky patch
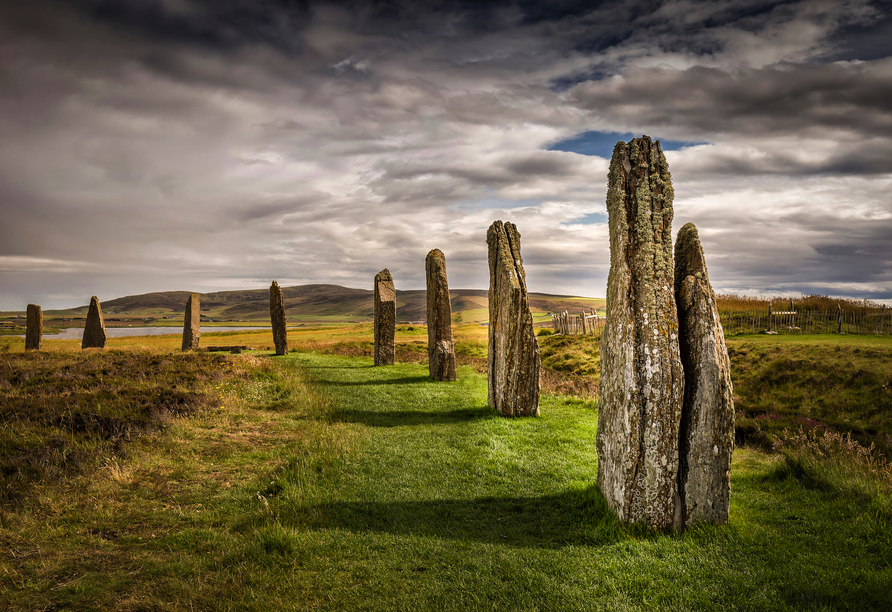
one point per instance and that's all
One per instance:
(602, 143)
(589, 219)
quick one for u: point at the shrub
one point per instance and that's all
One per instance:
(832, 461)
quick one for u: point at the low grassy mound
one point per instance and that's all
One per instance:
(571, 365)
(841, 384)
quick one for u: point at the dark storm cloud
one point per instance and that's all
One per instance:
(843, 156)
(222, 24)
(507, 169)
(831, 254)
(862, 245)
(780, 99)
(159, 144)
(864, 39)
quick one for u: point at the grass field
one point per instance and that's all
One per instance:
(316, 481)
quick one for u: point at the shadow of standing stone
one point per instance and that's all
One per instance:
(34, 328)
(513, 353)
(642, 382)
(94, 330)
(277, 318)
(385, 318)
(192, 323)
(440, 348)
(706, 439)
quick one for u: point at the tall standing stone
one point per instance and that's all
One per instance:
(440, 350)
(385, 318)
(192, 323)
(94, 330)
(706, 440)
(277, 318)
(642, 382)
(34, 328)
(513, 354)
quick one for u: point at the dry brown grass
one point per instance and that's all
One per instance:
(808, 302)
(65, 413)
(830, 460)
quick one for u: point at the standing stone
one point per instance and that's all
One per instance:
(706, 440)
(94, 330)
(642, 382)
(34, 329)
(192, 323)
(277, 318)
(513, 355)
(440, 349)
(385, 318)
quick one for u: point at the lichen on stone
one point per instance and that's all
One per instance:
(641, 380)
(706, 439)
(513, 351)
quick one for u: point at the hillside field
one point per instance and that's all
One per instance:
(142, 478)
(304, 305)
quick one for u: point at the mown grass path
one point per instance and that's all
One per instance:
(447, 506)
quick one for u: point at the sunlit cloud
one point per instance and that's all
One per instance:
(193, 146)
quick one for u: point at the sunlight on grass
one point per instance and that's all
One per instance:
(317, 481)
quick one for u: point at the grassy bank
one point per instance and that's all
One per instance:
(838, 383)
(316, 481)
(841, 384)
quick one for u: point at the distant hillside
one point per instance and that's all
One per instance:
(306, 303)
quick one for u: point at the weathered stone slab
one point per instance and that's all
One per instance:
(642, 382)
(706, 439)
(94, 330)
(34, 328)
(192, 323)
(513, 354)
(385, 318)
(440, 349)
(277, 318)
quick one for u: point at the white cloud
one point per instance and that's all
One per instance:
(322, 146)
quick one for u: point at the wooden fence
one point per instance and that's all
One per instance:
(876, 323)
(756, 320)
(584, 323)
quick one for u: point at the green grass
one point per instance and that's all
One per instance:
(841, 383)
(577, 355)
(327, 483)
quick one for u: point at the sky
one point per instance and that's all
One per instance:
(209, 145)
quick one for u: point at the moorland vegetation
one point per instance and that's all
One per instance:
(141, 477)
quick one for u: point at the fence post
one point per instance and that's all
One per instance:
(769, 315)
(838, 319)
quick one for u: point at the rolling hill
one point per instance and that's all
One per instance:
(317, 304)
